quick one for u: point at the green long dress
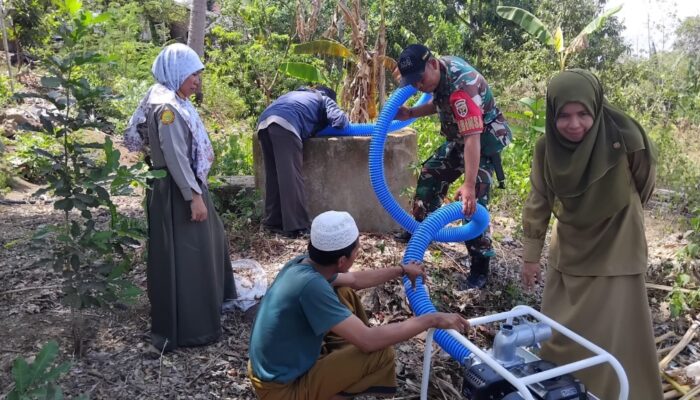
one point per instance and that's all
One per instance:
(595, 282)
(189, 270)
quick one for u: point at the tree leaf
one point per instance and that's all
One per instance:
(51, 82)
(63, 204)
(43, 360)
(74, 229)
(559, 40)
(388, 63)
(89, 58)
(44, 153)
(528, 22)
(580, 41)
(324, 48)
(20, 370)
(73, 6)
(94, 19)
(102, 194)
(303, 71)
(89, 200)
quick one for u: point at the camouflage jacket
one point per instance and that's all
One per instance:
(463, 89)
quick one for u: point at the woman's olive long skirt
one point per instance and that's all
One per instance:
(612, 312)
(189, 270)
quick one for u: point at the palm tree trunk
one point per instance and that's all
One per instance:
(198, 21)
(195, 36)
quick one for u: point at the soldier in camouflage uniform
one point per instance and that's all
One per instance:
(475, 133)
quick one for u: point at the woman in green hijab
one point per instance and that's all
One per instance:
(593, 169)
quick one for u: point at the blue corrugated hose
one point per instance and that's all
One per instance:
(419, 298)
(366, 129)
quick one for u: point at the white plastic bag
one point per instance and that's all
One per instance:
(251, 282)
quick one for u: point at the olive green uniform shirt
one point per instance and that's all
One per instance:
(615, 246)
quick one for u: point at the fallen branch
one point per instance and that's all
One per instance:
(203, 370)
(663, 337)
(668, 288)
(448, 386)
(682, 389)
(671, 395)
(26, 289)
(691, 394)
(160, 365)
(681, 345)
(661, 352)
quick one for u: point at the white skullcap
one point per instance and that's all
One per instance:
(333, 230)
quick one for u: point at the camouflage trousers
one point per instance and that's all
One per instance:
(444, 167)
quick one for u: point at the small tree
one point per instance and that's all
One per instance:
(364, 77)
(84, 176)
(544, 35)
(37, 379)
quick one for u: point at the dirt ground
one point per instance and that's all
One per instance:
(117, 362)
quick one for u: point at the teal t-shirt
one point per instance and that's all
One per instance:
(297, 311)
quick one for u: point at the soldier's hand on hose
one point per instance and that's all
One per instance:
(467, 194)
(403, 113)
(530, 275)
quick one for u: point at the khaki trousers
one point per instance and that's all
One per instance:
(342, 369)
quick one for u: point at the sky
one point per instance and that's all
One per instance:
(664, 14)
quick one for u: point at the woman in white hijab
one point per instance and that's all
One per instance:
(189, 269)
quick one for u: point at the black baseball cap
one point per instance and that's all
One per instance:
(412, 63)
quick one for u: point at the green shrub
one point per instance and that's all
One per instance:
(527, 126)
(241, 215)
(37, 379)
(234, 153)
(222, 101)
(92, 258)
(5, 171)
(681, 299)
(676, 170)
(5, 92)
(130, 92)
(692, 249)
(25, 159)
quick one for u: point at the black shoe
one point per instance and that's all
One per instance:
(295, 234)
(478, 271)
(477, 281)
(273, 228)
(403, 236)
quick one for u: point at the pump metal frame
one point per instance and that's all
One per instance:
(601, 356)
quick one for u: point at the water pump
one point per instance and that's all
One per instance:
(511, 371)
(482, 382)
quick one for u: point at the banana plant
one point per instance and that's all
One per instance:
(329, 48)
(532, 25)
(308, 72)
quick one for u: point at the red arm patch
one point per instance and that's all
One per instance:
(466, 113)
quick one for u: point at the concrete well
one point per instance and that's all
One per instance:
(337, 176)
